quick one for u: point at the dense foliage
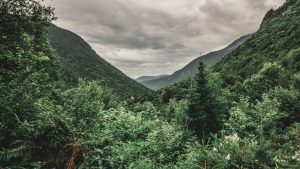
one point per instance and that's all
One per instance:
(226, 117)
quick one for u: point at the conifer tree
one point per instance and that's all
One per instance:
(202, 109)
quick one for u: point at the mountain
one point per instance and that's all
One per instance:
(79, 60)
(191, 69)
(147, 78)
(276, 41)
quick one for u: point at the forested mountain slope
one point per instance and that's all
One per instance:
(191, 69)
(277, 40)
(79, 60)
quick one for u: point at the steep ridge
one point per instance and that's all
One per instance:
(79, 60)
(191, 69)
(277, 40)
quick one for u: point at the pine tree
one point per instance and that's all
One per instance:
(202, 109)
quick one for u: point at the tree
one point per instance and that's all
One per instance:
(289, 100)
(28, 69)
(270, 76)
(248, 120)
(19, 17)
(202, 109)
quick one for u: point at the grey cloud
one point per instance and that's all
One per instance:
(151, 37)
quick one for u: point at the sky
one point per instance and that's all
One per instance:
(154, 37)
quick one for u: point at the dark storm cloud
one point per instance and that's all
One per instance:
(151, 37)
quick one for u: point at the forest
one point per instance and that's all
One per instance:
(244, 112)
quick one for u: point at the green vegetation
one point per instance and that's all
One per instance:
(244, 114)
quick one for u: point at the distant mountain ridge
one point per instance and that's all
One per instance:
(79, 60)
(191, 69)
(147, 78)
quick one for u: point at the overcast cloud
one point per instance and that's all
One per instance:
(153, 37)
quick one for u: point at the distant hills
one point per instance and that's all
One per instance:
(79, 60)
(191, 69)
(147, 78)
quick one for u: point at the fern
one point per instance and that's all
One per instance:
(7, 155)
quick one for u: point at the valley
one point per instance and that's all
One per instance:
(62, 105)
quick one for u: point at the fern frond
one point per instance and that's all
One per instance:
(10, 154)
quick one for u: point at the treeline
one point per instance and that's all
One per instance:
(215, 120)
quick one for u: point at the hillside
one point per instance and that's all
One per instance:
(191, 69)
(79, 60)
(277, 40)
